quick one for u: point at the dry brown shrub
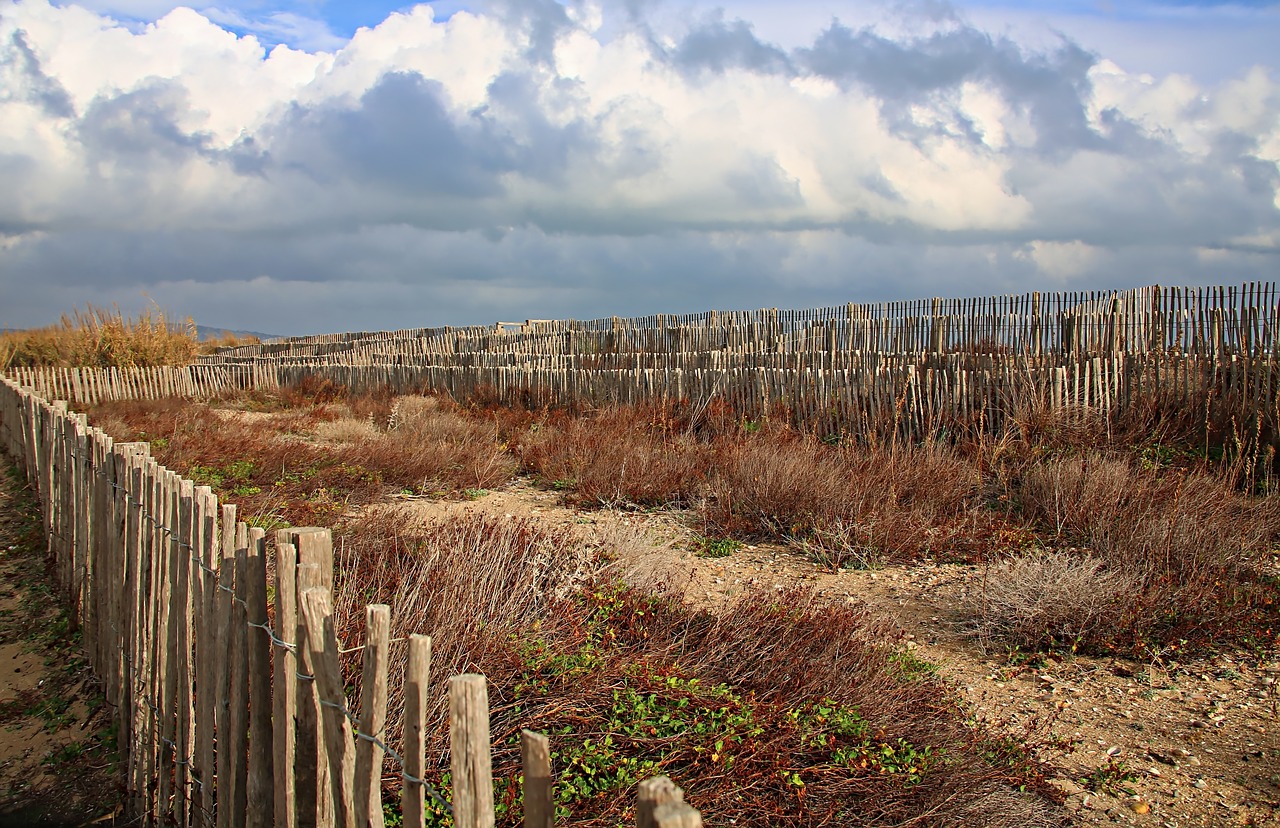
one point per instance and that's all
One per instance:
(768, 487)
(464, 579)
(1046, 599)
(1189, 541)
(1065, 493)
(470, 459)
(618, 456)
(852, 505)
(346, 430)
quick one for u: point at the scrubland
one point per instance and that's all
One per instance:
(1134, 541)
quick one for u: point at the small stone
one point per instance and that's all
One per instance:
(1200, 783)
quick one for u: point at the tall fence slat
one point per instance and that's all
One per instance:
(322, 643)
(284, 670)
(373, 717)
(260, 796)
(470, 757)
(414, 736)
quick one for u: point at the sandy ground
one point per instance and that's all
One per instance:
(54, 770)
(1169, 744)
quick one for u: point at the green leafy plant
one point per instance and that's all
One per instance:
(1113, 777)
(715, 547)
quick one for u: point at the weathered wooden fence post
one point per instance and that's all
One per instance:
(535, 760)
(471, 760)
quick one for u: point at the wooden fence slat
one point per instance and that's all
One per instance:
(237, 737)
(470, 757)
(184, 555)
(285, 667)
(676, 815)
(322, 642)
(207, 659)
(651, 794)
(260, 796)
(414, 736)
(373, 717)
(311, 774)
(222, 653)
(535, 761)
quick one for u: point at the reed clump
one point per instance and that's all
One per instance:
(105, 337)
(101, 337)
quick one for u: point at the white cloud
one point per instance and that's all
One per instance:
(535, 155)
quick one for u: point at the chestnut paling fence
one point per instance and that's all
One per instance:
(911, 370)
(224, 718)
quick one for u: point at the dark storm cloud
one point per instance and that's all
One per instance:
(402, 138)
(542, 150)
(141, 129)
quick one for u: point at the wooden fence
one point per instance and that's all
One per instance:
(1192, 320)
(231, 712)
(908, 370)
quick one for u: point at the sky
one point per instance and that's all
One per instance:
(304, 166)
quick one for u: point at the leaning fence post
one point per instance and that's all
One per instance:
(535, 759)
(471, 761)
(314, 795)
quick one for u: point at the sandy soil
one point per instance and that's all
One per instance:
(54, 770)
(1169, 745)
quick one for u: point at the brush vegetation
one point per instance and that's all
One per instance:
(1138, 540)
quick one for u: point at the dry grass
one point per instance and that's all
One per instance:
(100, 337)
(311, 465)
(617, 456)
(852, 506)
(1190, 544)
(740, 707)
(1053, 600)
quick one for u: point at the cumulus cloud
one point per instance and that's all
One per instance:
(541, 158)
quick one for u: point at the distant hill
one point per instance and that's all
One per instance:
(204, 332)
